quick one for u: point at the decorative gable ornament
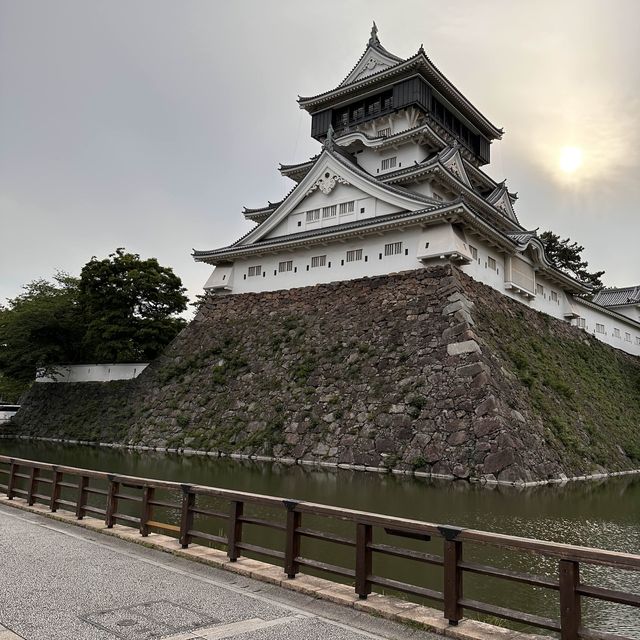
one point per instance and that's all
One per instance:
(326, 183)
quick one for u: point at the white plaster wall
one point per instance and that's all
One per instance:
(593, 316)
(6, 414)
(371, 263)
(371, 159)
(296, 221)
(630, 311)
(95, 372)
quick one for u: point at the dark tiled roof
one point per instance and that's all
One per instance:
(616, 297)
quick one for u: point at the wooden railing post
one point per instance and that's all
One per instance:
(570, 610)
(234, 533)
(364, 559)
(147, 509)
(81, 500)
(33, 484)
(112, 503)
(452, 576)
(11, 483)
(186, 518)
(292, 542)
(55, 490)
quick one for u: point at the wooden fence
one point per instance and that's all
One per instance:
(100, 494)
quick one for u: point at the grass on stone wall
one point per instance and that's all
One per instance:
(586, 393)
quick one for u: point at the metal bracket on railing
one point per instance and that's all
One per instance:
(290, 505)
(450, 533)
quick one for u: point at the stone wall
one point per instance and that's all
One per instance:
(425, 370)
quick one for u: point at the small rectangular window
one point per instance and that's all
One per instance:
(582, 323)
(539, 290)
(393, 248)
(285, 266)
(355, 254)
(313, 215)
(616, 333)
(474, 252)
(389, 163)
(491, 263)
(255, 271)
(638, 340)
(347, 207)
(627, 337)
(554, 296)
(383, 133)
(599, 328)
(318, 261)
(329, 212)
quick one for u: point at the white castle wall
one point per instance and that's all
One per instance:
(7, 412)
(94, 372)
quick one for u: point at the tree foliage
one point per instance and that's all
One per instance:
(130, 306)
(39, 327)
(567, 256)
(121, 309)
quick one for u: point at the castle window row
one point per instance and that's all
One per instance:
(331, 211)
(389, 163)
(353, 255)
(600, 328)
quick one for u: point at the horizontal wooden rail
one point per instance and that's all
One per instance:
(25, 479)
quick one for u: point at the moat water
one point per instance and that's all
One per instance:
(604, 514)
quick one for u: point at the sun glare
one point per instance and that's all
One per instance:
(570, 159)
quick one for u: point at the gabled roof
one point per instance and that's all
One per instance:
(434, 164)
(618, 297)
(419, 63)
(501, 199)
(452, 160)
(374, 58)
(332, 163)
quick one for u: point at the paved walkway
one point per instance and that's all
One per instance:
(61, 582)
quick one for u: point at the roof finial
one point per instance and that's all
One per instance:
(328, 143)
(421, 49)
(373, 40)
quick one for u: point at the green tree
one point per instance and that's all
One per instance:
(38, 328)
(130, 307)
(567, 256)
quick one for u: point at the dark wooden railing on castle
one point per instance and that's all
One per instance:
(100, 494)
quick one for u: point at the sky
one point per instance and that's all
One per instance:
(149, 124)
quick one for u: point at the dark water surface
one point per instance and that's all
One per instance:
(603, 514)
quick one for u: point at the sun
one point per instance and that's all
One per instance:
(570, 159)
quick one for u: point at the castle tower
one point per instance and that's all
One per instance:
(398, 185)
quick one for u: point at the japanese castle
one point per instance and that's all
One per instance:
(398, 185)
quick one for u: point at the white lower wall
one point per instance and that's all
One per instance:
(94, 372)
(6, 413)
